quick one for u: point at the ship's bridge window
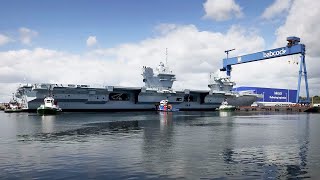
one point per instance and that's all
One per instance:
(119, 97)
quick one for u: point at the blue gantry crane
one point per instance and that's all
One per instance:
(293, 47)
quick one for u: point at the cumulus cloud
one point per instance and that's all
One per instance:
(281, 72)
(26, 35)
(4, 39)
(303, 21)
(278, 7)
(192, 55)
(222, 10)
(165, 28)
(91, 41)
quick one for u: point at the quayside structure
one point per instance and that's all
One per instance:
(293, 47)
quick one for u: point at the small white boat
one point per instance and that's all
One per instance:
(49, 107)
(226, 107)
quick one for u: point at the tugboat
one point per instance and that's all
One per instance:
(165, 106)
(13, 107)
(226, 107)
(49, 107)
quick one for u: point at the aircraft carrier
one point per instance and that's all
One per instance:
(158, 86)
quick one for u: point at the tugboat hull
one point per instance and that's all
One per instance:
(13, 110)
(47, 111)
(228, 109)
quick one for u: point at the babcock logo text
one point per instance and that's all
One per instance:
(273, 53)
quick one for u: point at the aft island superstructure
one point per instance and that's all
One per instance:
(221, 83)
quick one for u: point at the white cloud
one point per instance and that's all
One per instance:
(4, 39)
(91, 41)
(165, 28)
(302, 21)
(278, 7)
(26, 35)
(222, 10)
(192, 55)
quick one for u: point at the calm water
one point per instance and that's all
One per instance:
(153, 145)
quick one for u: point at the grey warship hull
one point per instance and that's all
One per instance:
(219, 83)
(158, 87)
(242, 100)
(118, 98)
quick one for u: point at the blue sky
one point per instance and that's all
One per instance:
(65, 25)
(107, 42)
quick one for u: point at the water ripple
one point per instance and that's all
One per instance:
(79, 134)
(141, 145)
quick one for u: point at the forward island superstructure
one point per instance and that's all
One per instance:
(158, 86)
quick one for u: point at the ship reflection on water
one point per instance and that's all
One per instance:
(165, 119)
(225, 113)
(173, 145)
(47, 123)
